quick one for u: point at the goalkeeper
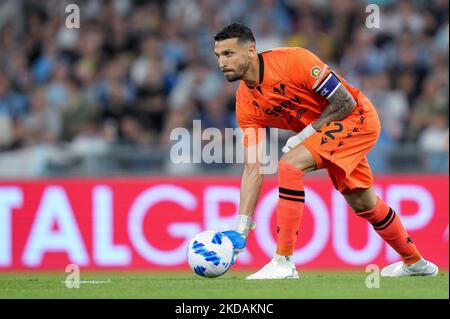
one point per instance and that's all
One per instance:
(336, 126)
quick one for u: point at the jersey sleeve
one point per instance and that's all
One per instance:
(308, 69)
(253, 130)
(314, 74)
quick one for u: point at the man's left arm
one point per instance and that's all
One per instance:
(341, 105)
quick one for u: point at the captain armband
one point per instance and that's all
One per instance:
(328, 86)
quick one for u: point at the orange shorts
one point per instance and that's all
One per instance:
(341, 148)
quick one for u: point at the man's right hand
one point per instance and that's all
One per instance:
(295, 140)
(239, 240)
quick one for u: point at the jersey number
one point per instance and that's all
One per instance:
(329, 133)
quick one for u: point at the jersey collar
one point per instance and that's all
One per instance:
(261, 68)
(261, 75)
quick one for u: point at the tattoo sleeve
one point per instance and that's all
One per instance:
(341, 105)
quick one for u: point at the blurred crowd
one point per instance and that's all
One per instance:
(135, 69)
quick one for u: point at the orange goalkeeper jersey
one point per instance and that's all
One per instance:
(287, 96)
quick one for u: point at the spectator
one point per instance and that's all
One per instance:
(137, 69)
(42, 125)
(12, 103)
(434, 141)
(431, 102)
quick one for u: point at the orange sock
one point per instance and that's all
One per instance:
(290, 206)
(389, 226)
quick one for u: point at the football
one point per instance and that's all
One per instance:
(210, 254)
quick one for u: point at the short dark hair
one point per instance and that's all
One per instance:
(235, 30)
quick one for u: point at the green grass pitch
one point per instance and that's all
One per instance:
(185, 285)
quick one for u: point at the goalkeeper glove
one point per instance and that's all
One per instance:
(295, 140)
(239, 236)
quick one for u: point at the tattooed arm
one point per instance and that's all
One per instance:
(341, 105)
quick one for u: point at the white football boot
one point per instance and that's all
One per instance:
(420, 268)
(280, 267)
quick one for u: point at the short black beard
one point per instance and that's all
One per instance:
(238, 77)
(233, 79)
